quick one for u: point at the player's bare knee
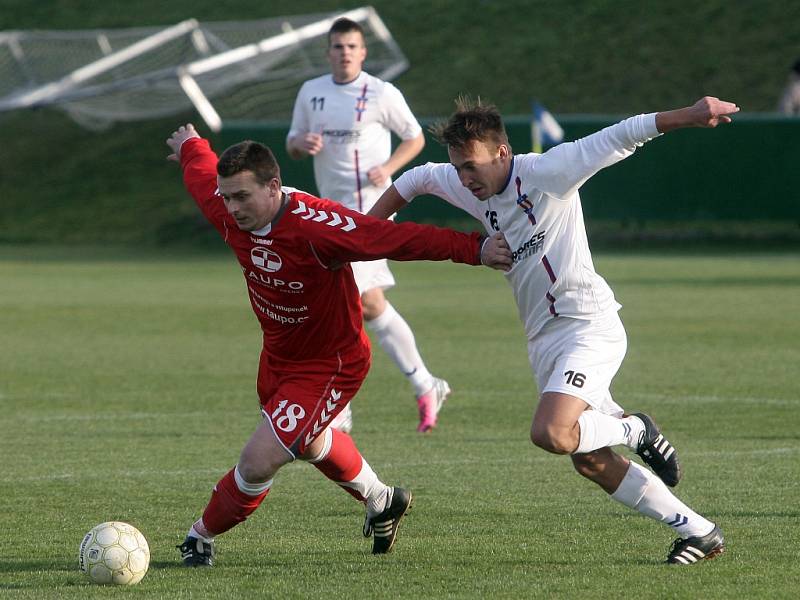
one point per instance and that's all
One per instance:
(256, 469)
(373, 303)
(551, 439)
(369, 312)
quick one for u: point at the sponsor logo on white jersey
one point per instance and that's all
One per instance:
(532, 246)
(265, 259)
(341, 136)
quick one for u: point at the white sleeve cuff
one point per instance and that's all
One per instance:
(649, 129)
(405, 186)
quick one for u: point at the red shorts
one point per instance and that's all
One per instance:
(301, 398)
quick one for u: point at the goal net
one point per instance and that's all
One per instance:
(227, 71)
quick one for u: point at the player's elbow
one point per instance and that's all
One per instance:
(419, 142)
(292, 150)
(293, 154)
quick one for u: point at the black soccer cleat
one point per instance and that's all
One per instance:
(656, 451)
(694, 549)
(383, 527)
(196, 553)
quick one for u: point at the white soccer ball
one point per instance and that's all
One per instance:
(114, 553)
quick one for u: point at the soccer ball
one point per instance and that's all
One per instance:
(114, 552)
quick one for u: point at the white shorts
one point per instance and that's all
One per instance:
(372, 274)
(580, 358)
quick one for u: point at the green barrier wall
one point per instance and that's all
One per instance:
(749, 170)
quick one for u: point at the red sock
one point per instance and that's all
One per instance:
(229, 506)
(343, 463)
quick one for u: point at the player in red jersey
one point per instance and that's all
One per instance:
(294, 251)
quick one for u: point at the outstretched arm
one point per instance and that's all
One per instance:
(199, 164)
(389, 203)
(564, 168)
(706, 112)
(494, 252)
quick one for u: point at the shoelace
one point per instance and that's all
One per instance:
(677, 545)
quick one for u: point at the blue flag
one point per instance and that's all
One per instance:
(545, 130)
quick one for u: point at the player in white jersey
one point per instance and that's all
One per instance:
(345, 121)
(576, 341)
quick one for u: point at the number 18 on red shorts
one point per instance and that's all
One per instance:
(300, 399)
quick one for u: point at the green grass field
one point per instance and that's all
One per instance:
(127, 388)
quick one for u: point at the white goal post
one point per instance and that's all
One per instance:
(225, 70)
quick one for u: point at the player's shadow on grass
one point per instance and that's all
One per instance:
(44, 566)
(754, 281)
(62, 572)
(169, 564)
(789, 514)
(771, 438)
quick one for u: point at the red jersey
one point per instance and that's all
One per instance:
(300, 285)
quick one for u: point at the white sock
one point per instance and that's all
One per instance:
(381, 501)
(251, 489)
(643, 491)
(396, 338)
(378, 495)
(598, 430)
(199, 530)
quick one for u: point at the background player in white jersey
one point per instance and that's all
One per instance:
(576, 341)
(344, 120)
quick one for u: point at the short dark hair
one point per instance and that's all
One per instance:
(249, 156)
(796, 66)
(344, 25)
(472, 121)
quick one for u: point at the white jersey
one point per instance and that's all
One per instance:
(356, 120)
(539, 212)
